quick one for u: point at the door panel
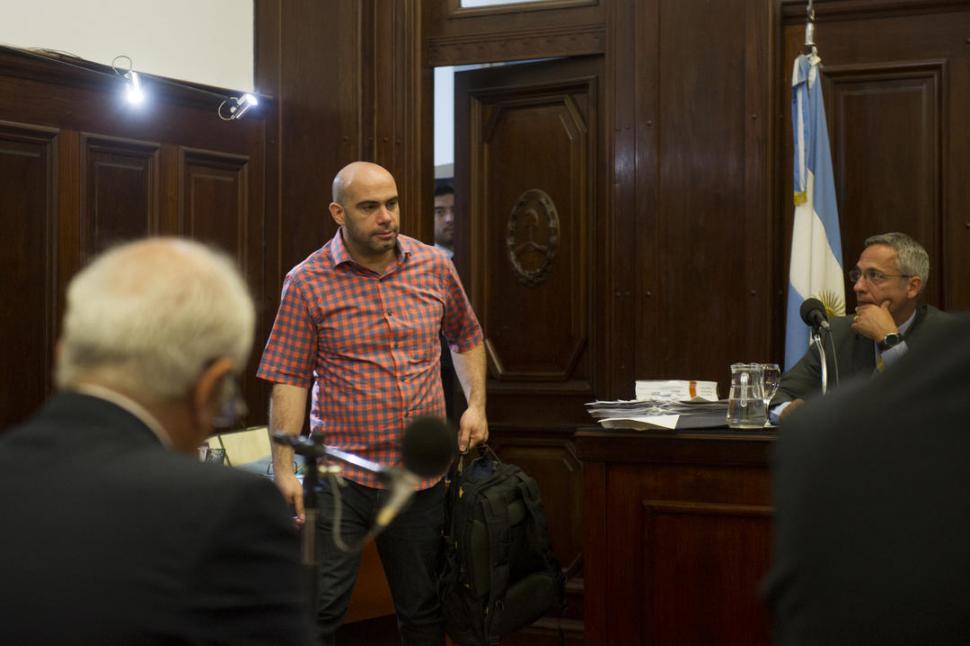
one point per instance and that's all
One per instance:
(526, 170)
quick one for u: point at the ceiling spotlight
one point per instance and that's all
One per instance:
(133, 92)
(236, 106)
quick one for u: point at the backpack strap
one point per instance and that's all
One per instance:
(453, 479)
(496, 514)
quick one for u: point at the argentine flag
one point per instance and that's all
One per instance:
(816, 246)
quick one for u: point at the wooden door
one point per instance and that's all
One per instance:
(528, 173)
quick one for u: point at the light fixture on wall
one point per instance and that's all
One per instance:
(134, 95)
(230, 108)
(236, 106)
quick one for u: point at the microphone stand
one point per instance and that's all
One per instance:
(312, 449)
(817, 342)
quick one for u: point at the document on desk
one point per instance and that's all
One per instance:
(656, 415)
(655, 422)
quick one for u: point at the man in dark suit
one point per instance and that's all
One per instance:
(887, 280)
(872, 509)
(113, 532)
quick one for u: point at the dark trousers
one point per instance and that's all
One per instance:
(408, 548)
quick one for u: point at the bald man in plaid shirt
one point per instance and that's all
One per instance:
(359, 321)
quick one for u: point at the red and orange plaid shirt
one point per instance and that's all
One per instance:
(369, 344)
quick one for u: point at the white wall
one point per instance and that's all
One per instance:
(206, 41)
(444, 119)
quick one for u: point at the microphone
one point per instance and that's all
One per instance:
(427, 449)
(813, 313)
(402, 487)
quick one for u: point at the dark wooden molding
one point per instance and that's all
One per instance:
(520, 45)
(455, 10)
(67, 71)
(706, 508)
(793, 11)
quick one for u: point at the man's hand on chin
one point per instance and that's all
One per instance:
(873, 321)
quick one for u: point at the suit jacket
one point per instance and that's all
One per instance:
(872, 509)
(856, 355)
(109, 538)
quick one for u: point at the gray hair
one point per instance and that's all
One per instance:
(911, 257)
(148, 316)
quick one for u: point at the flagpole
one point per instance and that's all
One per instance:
(810, 28)
(815, 269)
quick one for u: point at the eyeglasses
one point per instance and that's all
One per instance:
(232, 407)
(873, 276)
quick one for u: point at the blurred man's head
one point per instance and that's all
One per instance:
(164, 321)
(444, 216)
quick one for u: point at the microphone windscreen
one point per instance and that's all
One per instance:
(808, 309)
(428, 447)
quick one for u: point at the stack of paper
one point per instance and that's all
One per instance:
(664, 405)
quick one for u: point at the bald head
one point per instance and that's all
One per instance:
(148, 316)
(355, 173)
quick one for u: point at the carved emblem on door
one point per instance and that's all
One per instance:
(532, 237)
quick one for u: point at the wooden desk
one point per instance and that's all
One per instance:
(677, 536)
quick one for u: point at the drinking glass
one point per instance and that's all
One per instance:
(772, 379)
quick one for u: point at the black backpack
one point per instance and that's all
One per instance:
(498, 573)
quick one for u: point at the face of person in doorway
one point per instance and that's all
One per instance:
(880, 280)
(444, 220)
(368, 212)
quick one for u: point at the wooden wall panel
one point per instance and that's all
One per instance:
(678, 536)
(28, 309)
(215, 190)
(707, 286)
(220, 206)
(697, 557)
(351, 86)
(887, 142)
(550, 458)
(119, 191)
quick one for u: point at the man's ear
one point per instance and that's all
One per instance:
(207, 392)
(914, 286)
(337, 213)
